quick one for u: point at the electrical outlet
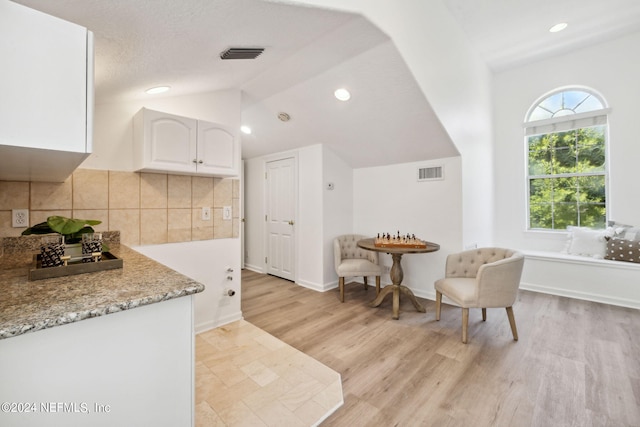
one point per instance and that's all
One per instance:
(206, 214)
(386, 269)
(19, 218)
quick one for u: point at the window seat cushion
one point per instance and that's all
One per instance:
(623, 250)
(617, 242)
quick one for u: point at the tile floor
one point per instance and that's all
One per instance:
(246, 377)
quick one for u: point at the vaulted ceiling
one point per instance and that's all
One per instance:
(310, 52)
(508, 33)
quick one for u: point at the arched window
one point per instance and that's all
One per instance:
(566, 146)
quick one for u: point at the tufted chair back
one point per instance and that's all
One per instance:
(467, 263)
(481, 278)
(352, 261)
(346, 247)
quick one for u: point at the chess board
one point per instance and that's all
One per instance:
(402, 242)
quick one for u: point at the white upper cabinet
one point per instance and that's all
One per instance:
(47, 94)
(168, 143)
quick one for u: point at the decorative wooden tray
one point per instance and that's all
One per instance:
(108, 262)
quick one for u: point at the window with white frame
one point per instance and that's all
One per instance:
(566, 148)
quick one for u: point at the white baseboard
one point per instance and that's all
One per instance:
(587, 296)
(206, 326)
(431, 295)
(605, 299)
(254, 268)
(319, 287)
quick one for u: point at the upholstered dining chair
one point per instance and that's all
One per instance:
(352, 261)
(481, 278)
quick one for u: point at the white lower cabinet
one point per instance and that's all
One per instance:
(131, 368)
(169, 143)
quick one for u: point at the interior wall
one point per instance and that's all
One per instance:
(309, 216)
(337, 208)
(309, 222)
(113, 123)
(610, 68)
(390, 199)
(254, 214)
(456, 83)
(210, 262)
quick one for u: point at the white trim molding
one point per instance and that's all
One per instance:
(598, 280)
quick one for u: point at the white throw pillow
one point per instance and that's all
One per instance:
(587, 242)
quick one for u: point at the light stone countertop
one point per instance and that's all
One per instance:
(29, 306)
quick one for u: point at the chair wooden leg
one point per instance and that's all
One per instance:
(377, 285)
(512, 322)
(341, 283)
(365, 283)
(465, 324)
(484, 314)
(438, 302)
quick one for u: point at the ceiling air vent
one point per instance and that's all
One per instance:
(434, 173)
(242, 53)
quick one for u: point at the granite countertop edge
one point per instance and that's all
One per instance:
(140, 282)
(77, 316)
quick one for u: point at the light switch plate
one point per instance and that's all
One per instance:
(226, 212)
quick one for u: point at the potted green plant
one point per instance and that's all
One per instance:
(71, 228)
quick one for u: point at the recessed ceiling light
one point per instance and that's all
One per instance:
(157, 89)
(284, 117)
(342, 94)
(245, 130)
(558, 27)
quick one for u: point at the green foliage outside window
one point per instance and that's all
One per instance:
(567, 179)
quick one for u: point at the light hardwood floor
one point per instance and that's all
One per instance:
(576, 363)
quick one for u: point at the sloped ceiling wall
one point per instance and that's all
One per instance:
(309, 52)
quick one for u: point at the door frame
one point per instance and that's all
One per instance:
(265, 232)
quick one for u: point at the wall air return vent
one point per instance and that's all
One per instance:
(434, 173)
(242, 53)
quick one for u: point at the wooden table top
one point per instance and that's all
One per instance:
(369, 244)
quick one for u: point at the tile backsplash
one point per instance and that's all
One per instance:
(147, 208)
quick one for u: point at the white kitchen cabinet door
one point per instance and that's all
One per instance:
(165, 142)
(44, 82)
(218, 151)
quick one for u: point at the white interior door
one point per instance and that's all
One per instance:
(280, 218)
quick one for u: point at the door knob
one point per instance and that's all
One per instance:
(291, 222)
